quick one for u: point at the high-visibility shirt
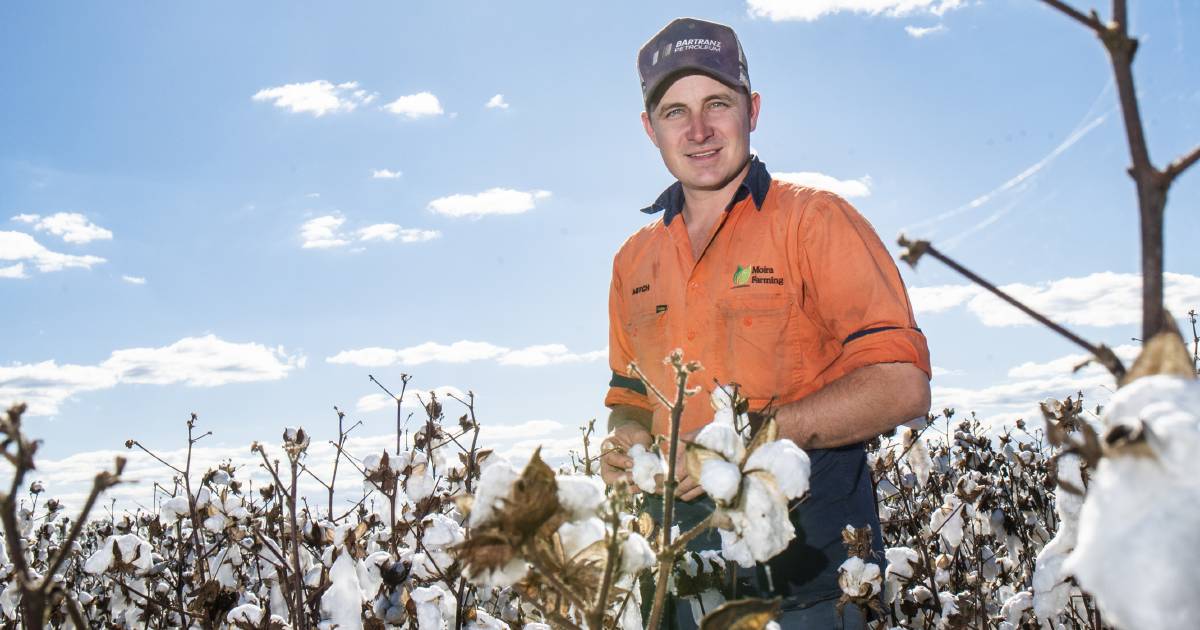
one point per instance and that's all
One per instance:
(793, 291)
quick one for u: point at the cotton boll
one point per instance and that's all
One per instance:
(175, 508)
(1139, 518)
(484, 621)
(495, 484)
(1014, 607)
(580, 496)
(761, 522)
(859, 579)
(647, 466)
(723, 439)
(947, 522)
(788, 463)
(429, 608)
(341, 603)
(720, 479)
(577, 536)
(636, 554)
(503, 577)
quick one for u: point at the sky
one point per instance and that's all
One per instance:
(242, 210)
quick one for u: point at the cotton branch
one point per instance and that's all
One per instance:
(914, 250)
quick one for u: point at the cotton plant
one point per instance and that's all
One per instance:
(750, 483)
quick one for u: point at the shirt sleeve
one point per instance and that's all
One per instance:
(622, 389)
(858, 293)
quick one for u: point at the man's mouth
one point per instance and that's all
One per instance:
(703, 155)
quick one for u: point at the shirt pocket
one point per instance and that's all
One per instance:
(761, 343)
(647, 333)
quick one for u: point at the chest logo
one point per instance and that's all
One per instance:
(746, 275)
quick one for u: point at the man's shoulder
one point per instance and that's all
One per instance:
(798, 202)
(642, 239)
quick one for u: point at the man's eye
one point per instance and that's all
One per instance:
(673, 113)
(718, 104)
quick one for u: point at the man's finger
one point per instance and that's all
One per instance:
(618, 460)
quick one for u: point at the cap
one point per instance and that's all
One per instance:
(692, 45)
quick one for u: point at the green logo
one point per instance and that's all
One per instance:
(741, 277)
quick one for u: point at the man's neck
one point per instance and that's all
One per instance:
(701, 206)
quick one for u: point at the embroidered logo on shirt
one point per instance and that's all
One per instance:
(755, 274)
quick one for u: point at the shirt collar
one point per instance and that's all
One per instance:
(755, 185)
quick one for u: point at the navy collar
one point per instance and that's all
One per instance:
(755, 185)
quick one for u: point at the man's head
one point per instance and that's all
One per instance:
(699, 107)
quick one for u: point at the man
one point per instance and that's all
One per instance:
(780, 288)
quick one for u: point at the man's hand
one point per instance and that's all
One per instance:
(614, 463)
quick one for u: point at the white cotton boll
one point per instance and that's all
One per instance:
(636, 554)
(1014, 607)
(901, 561)
(419, 486)
(647, 466)
(947, 522)
(175, 508)
(484, 621)
(429, 609)
(247, 613)
(787, 462)
(441, 531)
(578, 535)
(723, 439)
(503, 577)
(1138, 542)
(533, 625)
(1051, 590)
(580, 496)
(10, 600)
(921, 593)
(215, 523)
(495, 484)
(720, 479)
(918, 454)
(761, 523)
(735, 549)
(858, 578)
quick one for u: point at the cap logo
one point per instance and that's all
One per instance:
(698, 44)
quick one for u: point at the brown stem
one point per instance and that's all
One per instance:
(1091, 21)
(667, 554)
(1176, 168)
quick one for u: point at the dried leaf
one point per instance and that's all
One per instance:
(696, 456)
(534, 498)
(742, 614)
(1165, 353)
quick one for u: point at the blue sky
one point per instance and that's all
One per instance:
(163, 166)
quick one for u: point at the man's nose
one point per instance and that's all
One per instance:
(699, 130)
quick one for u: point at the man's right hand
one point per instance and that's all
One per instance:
(614, 462)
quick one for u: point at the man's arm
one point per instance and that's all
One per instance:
(857, 407)
(627, 425)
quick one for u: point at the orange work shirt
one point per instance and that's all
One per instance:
(793, 291)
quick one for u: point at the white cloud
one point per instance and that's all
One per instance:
(1100, 299)
(19, 246)
(13, 271)
(549, 354)
(491, 201)
(392, 231)
(415, 106)
(412, 398)
(134, 279)
(322, 232)
(316, 97)
(71, 226)
(196, 361)
(922, 31)
(383, 173)
(496, 102)
(465, 352)
(860, 187)
(313, 195)
(809, 10)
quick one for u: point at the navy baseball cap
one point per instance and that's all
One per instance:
(689, 45)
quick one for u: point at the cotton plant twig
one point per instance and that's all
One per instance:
(1152, 183)
(916, 249)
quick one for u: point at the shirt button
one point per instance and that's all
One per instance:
(691, 335)
(747, 321)
(694, 285)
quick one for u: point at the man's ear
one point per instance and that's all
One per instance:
(649, 128)
(755, 105)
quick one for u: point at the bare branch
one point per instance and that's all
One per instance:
(1090, 21)
(1176, 168)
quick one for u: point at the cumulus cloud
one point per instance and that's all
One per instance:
(19, 246)
(383, 173)
(465, 352)
(922, 31)
(195, 361)
(809, 10)
(392, 232)
(860, 187)
(1100, 299)
(412, 398)
(71, 226)
(316, 97)
(134, 279)
(491, 201)
(496, 102)
(413, 106)
(322, 232)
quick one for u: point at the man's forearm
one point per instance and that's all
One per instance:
(624, 415)
(857, 407)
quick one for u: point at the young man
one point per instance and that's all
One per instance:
(780, 288)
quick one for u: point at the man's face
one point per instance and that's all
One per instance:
(702, 128)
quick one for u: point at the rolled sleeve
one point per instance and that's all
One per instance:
(858, 293)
